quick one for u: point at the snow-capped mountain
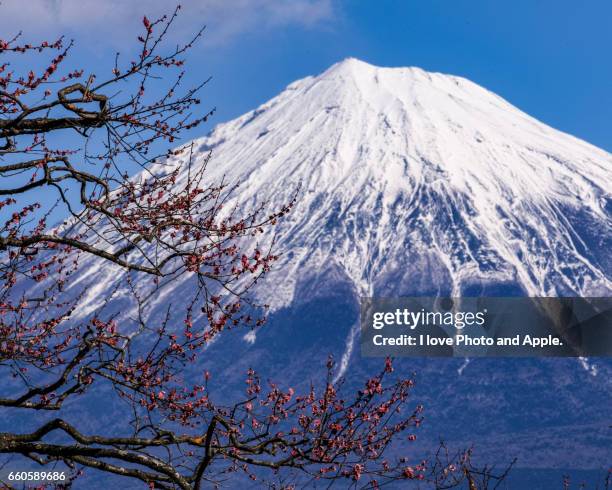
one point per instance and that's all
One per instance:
(414, 183)
(417, 182)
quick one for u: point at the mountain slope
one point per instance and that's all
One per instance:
(416, 183)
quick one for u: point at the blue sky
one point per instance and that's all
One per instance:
(548, 57)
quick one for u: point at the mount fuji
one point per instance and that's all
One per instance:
(413, 183)
(416, 183)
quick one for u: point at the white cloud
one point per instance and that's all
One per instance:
(116, 21)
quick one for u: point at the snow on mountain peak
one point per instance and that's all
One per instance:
(425, 178)
(418, 183)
